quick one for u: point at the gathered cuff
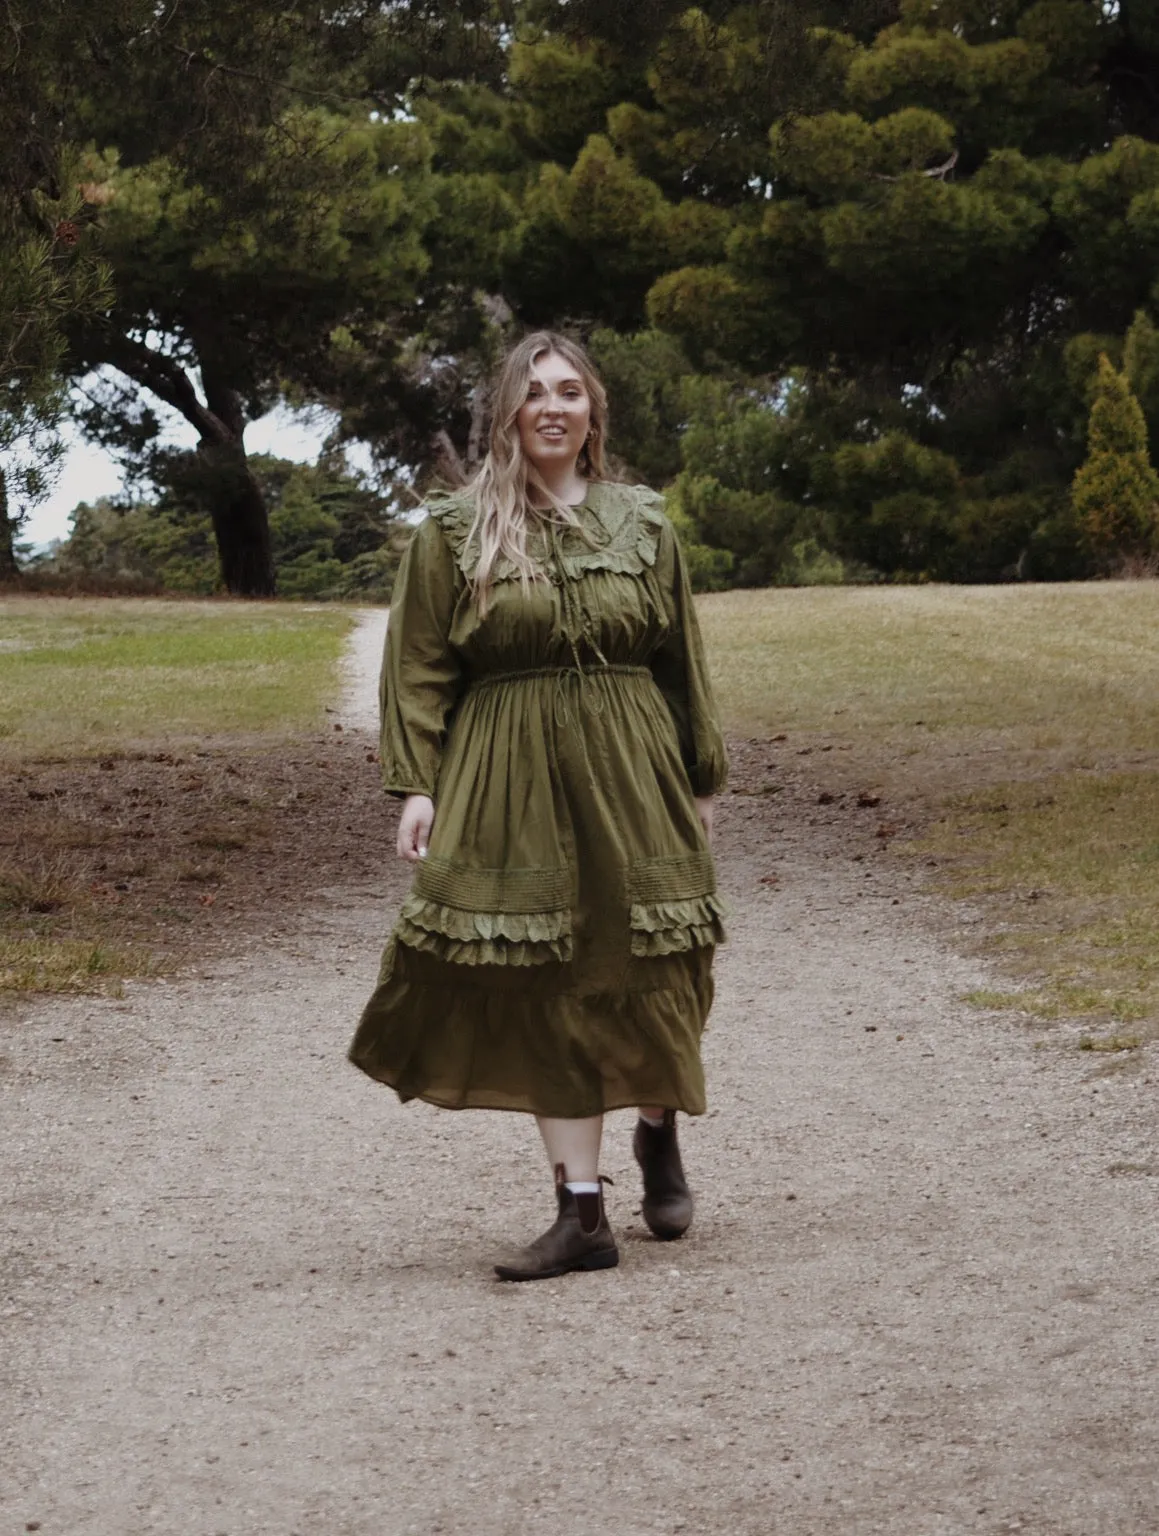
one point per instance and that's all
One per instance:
(708, 778)
(669, 927)
(401, 791)
(485, 938)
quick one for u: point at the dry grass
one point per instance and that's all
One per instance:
(43, 904)
(1019, 726)
(1113, 1043)
(199, 873)
(208, 849)
(117, 823)
(88, 676)
(46, 964)
(942, 687)
(1068, 868)
(42, 885)
(224, 837)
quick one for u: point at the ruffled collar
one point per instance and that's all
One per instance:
(622, 524)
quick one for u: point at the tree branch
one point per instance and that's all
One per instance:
(213, 67)
(222, 399)
(940, 172)
(448, 455)
(479, 400)
(167, 380)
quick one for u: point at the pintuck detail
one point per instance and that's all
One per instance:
(537, 889)
(473, 916)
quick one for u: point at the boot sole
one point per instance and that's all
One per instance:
(663, 1231)
(667, 1234)
(659, 1230)
(607, 1259)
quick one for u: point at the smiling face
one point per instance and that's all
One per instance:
(554, 419)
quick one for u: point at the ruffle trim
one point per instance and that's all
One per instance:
(485, 938)
(629, 517)
(670, 927)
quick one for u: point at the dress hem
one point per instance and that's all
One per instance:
(512, 1108)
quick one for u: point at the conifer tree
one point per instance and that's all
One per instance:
(1141, 365)
(1116, 491)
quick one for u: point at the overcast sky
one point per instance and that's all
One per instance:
(90, 473)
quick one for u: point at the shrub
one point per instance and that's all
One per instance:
(1116, 491)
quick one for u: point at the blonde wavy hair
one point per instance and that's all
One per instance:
(503, 485)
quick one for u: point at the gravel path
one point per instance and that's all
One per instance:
(358, 709)
(245, 1293)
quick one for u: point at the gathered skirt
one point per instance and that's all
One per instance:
(500, 1037)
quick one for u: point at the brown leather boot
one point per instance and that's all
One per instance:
(667, 1204)
(578, 1239)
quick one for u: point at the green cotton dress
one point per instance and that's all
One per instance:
(555, 952)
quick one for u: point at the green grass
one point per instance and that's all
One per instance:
(1110, 1043)
(29, 964)
(1020, 725)
(943, 678)
(108, 677)
(1069, 868)
(79, 677)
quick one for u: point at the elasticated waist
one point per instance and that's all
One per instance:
(559, 673)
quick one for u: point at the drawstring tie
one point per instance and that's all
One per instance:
(577, 627)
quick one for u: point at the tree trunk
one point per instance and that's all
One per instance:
(241, 520)
(241, 523)
(233, 497)
(9, 570)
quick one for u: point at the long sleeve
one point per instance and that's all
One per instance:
(681, 672)
(421, 676)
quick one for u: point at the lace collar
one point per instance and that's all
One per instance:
(623, 524)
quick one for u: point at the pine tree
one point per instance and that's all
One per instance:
(1141, 365)
(1116, 491)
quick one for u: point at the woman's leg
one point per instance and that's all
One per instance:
(580, 1237)
(667, 1207)
(575, 1144)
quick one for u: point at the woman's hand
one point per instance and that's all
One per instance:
(704, 811)
(414, 827)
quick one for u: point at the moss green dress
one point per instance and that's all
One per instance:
(555, 952)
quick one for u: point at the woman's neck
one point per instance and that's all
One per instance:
(566, 484)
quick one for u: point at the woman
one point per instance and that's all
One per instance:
(547, 716)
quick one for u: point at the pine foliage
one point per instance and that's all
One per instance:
(849, 265)
(1116, 491)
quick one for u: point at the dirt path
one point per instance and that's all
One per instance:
(245, 1292)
